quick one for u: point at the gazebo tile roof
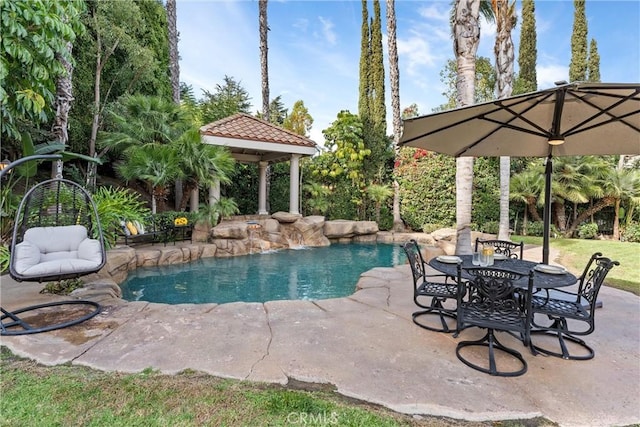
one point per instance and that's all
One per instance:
(246, 127)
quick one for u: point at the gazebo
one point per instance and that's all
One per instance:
(252, 140)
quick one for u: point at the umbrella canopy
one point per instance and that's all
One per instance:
(568, 120)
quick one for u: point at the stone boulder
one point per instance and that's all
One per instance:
(341, 229)
(448, 234)
(311, 228)
(286, 217)
(230, 230)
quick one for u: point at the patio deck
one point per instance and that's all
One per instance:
(365, 345)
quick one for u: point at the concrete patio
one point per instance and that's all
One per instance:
(365, 345)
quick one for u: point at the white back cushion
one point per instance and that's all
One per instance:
(56, 239)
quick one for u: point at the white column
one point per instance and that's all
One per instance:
(214, 193)
(262, 196)
(294, 184)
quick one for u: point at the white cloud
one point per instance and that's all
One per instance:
(551, 73)
(327, 30)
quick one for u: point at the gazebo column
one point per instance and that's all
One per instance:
(294, 184)
(214, 193)
(262, 196)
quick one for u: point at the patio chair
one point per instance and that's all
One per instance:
(430, 291)
(559, 306)
(505, 247)
(494, 302)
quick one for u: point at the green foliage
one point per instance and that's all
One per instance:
(279, 180)
(5, 257)
(34, 34)
(527, 80)
(485, 83)
(62, 287)
(114, 205)
(346, 150)
(427, 188)
(486, 190)
(299, 121)
(593, 68)
(490, 227)
(631, 233)
(588, 231)
(129, 37)
(578, 64)
(430, 228)
(243, 187)
(316, 200)
(536, 228)
(228, 99)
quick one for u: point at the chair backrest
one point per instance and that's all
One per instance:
(593, 277)
(496, 293)
(416, 261)
(504, 247)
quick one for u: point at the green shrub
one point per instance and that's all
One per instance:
(430, 228)
(536, 228)
(115, 204)
(62, 287)
(588, 231)
(4, 258)
(631, 233)
(491, 227)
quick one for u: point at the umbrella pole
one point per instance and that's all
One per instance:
(547, 211)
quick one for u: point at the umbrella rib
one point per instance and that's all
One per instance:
(602, 111)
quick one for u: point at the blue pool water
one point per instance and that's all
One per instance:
(313, 273)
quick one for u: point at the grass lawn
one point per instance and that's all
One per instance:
(34, 395)
(574, 254)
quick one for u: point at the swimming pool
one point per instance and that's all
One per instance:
(309, 273)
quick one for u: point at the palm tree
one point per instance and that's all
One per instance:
(505, 16)
(174, 63)
(202, 164)
(379, 193)
(156, 164)
(394, 79)
(466, 38)
(525, 187)
(318, 201)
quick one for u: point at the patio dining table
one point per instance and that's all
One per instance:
(541, 280)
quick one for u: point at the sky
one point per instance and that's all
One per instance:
(314, 49)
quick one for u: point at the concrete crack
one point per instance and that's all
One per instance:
(266, 353)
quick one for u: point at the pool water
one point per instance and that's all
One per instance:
(309, 274)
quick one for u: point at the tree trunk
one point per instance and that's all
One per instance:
(505, 58)
(394, 80)
(466, 38)
(616, 220)
(264, 62)
(531, 205)
(601, 204)
(62, 106)
(174, 69)
(561, 217)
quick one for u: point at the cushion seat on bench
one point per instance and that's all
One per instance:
(61, 250)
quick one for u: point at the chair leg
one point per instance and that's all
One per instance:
(18, 326)
(436, 308)
(490, 341)
(557, 329)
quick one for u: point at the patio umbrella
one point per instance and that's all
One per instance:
(567, 120)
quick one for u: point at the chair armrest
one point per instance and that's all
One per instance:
(90, 250)
(26, 256)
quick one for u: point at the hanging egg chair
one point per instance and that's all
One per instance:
(56, 236)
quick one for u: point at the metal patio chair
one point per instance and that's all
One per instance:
(559, 306)
(430, 291)
(494, 302)
(505, 247)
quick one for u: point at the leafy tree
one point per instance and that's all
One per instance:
(578, 65)
(34, 34)
(527, 80)
(277, 111)
(365, 69)
(485, 82)
(228, 99)
(299, 121)
(317, 201)
(594, 62)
